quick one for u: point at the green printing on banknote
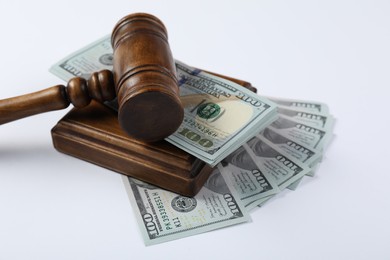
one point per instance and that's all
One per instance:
(163, 215)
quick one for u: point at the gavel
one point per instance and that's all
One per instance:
(143, 80)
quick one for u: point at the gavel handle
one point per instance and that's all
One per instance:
(50, 99)
(79, 92)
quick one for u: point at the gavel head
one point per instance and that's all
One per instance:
(145, 78)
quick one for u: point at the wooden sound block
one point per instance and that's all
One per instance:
(93, 134)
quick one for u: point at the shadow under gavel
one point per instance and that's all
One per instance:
(143, 79)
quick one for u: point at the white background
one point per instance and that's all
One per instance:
(53, 206)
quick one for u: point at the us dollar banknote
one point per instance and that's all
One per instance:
(164, 216)
(219, 115)
(312, 106)
(278, 167)
(246, 178)
(313, 137)
(319, 120)
(299, 151)
(281, 167)
(82, 63)
(309, 156)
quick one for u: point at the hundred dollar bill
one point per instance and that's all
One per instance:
(309, 156)
(313, 137)
(319, 120)
(82, 63)
(220, 115)
(164, 216)
(294, 148)
(279, 166)
(312, 106)
(246, 178)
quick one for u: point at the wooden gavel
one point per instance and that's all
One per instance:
(144, 81)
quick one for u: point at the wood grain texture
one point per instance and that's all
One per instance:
(94, 135)
(78, 92)
(145, 78)
(50, 99)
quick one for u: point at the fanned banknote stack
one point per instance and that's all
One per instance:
(259, 146)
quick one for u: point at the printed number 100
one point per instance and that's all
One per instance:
(194, 137)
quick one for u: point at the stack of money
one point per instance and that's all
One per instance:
(282, 154)
(219, 115)
(259, 146)
(277, 158)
